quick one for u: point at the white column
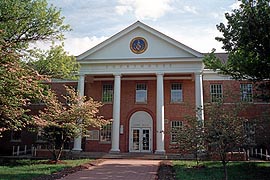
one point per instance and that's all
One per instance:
(116, 114)
(160, 114)
(78, 140)
(199, 97)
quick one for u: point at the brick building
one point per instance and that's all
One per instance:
(148, 82)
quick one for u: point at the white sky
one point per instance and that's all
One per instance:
(191, 22)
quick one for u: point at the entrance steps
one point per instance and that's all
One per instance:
(149, 156)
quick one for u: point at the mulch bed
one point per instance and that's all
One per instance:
(166, 171)
(67, 171)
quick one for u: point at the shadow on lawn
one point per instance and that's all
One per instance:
(214, 171)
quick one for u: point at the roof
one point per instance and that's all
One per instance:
(145, 27)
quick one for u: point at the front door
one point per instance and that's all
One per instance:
(140, 140)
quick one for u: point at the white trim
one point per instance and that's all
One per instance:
(210, 75)
(143, 26)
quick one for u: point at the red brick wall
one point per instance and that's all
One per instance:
(128, 107)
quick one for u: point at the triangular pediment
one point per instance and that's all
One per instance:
(157, 45)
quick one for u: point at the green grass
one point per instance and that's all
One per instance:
(28, 169)
(213, 170)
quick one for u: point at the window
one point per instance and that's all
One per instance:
(216, 92)
(141, 93)
(249, 129)
(93, 135)
(106, 132)
(107, 93)
(175, 127)
(246, 92)
(176, 93)
(16, 136)
(40, 137)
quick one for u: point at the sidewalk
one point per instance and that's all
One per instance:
(119, 169)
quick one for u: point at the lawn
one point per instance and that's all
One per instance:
(28, 169)
(213, 170)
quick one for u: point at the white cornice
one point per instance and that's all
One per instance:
(143, 26)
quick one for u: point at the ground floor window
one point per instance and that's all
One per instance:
(106, 133)
(175, 127)
(16, 136)
(249, 129)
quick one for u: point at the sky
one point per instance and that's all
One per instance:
(191, 22)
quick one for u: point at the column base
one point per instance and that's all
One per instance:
(76, 149)
(114, 151)
(160, 152)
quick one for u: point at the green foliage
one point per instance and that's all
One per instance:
(22, 22)
(27, 21)
(246, 38)
(63, 121)
(18, 85)
(224, 130)
(55, 63)
(187, 170)
(29, 169)
(190, 137)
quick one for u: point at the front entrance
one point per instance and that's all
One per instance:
(140, 139)
(140, 136)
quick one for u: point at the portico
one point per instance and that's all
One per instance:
(164, 59)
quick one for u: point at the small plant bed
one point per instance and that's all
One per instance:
(213, 170)
(42, 169)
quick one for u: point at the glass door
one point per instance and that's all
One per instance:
(135, 139)
(141, 140)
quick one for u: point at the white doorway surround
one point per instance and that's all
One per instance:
(141, 132)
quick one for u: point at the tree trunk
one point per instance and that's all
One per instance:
(225, 170)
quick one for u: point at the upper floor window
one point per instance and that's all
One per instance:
(175, 127)
(106, 133)
(246, 92)
(107, 93)
(216, 92)
(176, 93)
(141, 93)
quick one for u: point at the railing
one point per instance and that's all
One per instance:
(258, 153)
(23, 150)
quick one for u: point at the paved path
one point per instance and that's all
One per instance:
(119, 169)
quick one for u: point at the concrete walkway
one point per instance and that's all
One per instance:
(119, 169)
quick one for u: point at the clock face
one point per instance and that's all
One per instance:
(138, 45)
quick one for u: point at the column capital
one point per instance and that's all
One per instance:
(117, 74)
(198, 73)
(160, 73)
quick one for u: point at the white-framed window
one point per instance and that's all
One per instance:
(249, 129)
(16, 136)
(107, 93)
(106, 133)
(246, 92)
(40, 137)
(141, 93)
(176, 93)
(93, 135)
(216, 92)
(175, 127)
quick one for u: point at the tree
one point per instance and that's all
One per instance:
(246, 39)
(63, 121)
(22, 22)
(224, 130)
(18, 84)
(55, 62)
(28, 21)
(190, 137)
